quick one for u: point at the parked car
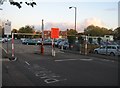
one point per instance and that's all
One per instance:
(47, 42)
(2, 40)
(63, 44)
(66, 45)
(57, 42)
(30, 42)
(112, 50)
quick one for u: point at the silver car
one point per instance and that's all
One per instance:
(113, 50)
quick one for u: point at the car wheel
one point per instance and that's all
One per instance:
(112, 54)
(96, 52)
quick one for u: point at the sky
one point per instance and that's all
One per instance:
(57, 14)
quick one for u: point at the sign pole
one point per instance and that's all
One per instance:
(42, 48)
(12, 44)
(85, 45)
(7, 44)
(53, 48)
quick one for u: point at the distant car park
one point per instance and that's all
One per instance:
(113, 50)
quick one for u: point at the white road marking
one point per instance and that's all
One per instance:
(52, 80)
(27, 63)
(74, 59)
(86, 59)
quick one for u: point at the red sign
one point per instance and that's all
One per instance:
(54, 32)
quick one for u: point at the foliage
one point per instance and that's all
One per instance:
(117, 33)
(18, 4)
(90, 40)
(71, 39)
(71, 32)
(26, 29)
(71, 35)
(97, 31)
(81, 39)
(14, 31)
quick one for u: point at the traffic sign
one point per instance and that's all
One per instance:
(7, 28)
(54, 32)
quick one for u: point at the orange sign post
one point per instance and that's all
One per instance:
(54, 34)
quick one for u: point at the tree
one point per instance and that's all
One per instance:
(26, 29)
(117, 33)
(90, 40)
(18, 4)
(71, 35)
(71, 32)
(97, 31)
(14, 31)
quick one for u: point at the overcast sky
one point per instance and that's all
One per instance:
(57, 14)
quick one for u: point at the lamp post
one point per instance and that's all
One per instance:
(75, 14)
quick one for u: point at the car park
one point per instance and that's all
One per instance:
(113, 50)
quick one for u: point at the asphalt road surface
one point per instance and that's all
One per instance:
(65, 69)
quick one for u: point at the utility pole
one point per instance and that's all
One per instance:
(42, 48)
(75, 15)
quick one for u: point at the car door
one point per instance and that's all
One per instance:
(102, 50)
(108, 50)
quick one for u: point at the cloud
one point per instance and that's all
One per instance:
(90, 21)
(67, 25)
(61, 26)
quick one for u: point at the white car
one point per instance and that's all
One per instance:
(112, 50)
(2, 40)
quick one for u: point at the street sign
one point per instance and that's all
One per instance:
(54, 32)
(7, 28)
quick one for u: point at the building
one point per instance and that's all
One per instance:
(62, 34)
(103, 38)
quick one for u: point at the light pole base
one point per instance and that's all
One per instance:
(13, 58)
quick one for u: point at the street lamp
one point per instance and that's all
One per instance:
(75, 14)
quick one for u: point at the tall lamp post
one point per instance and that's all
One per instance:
(75, 14)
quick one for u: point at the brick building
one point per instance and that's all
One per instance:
(62, 34)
